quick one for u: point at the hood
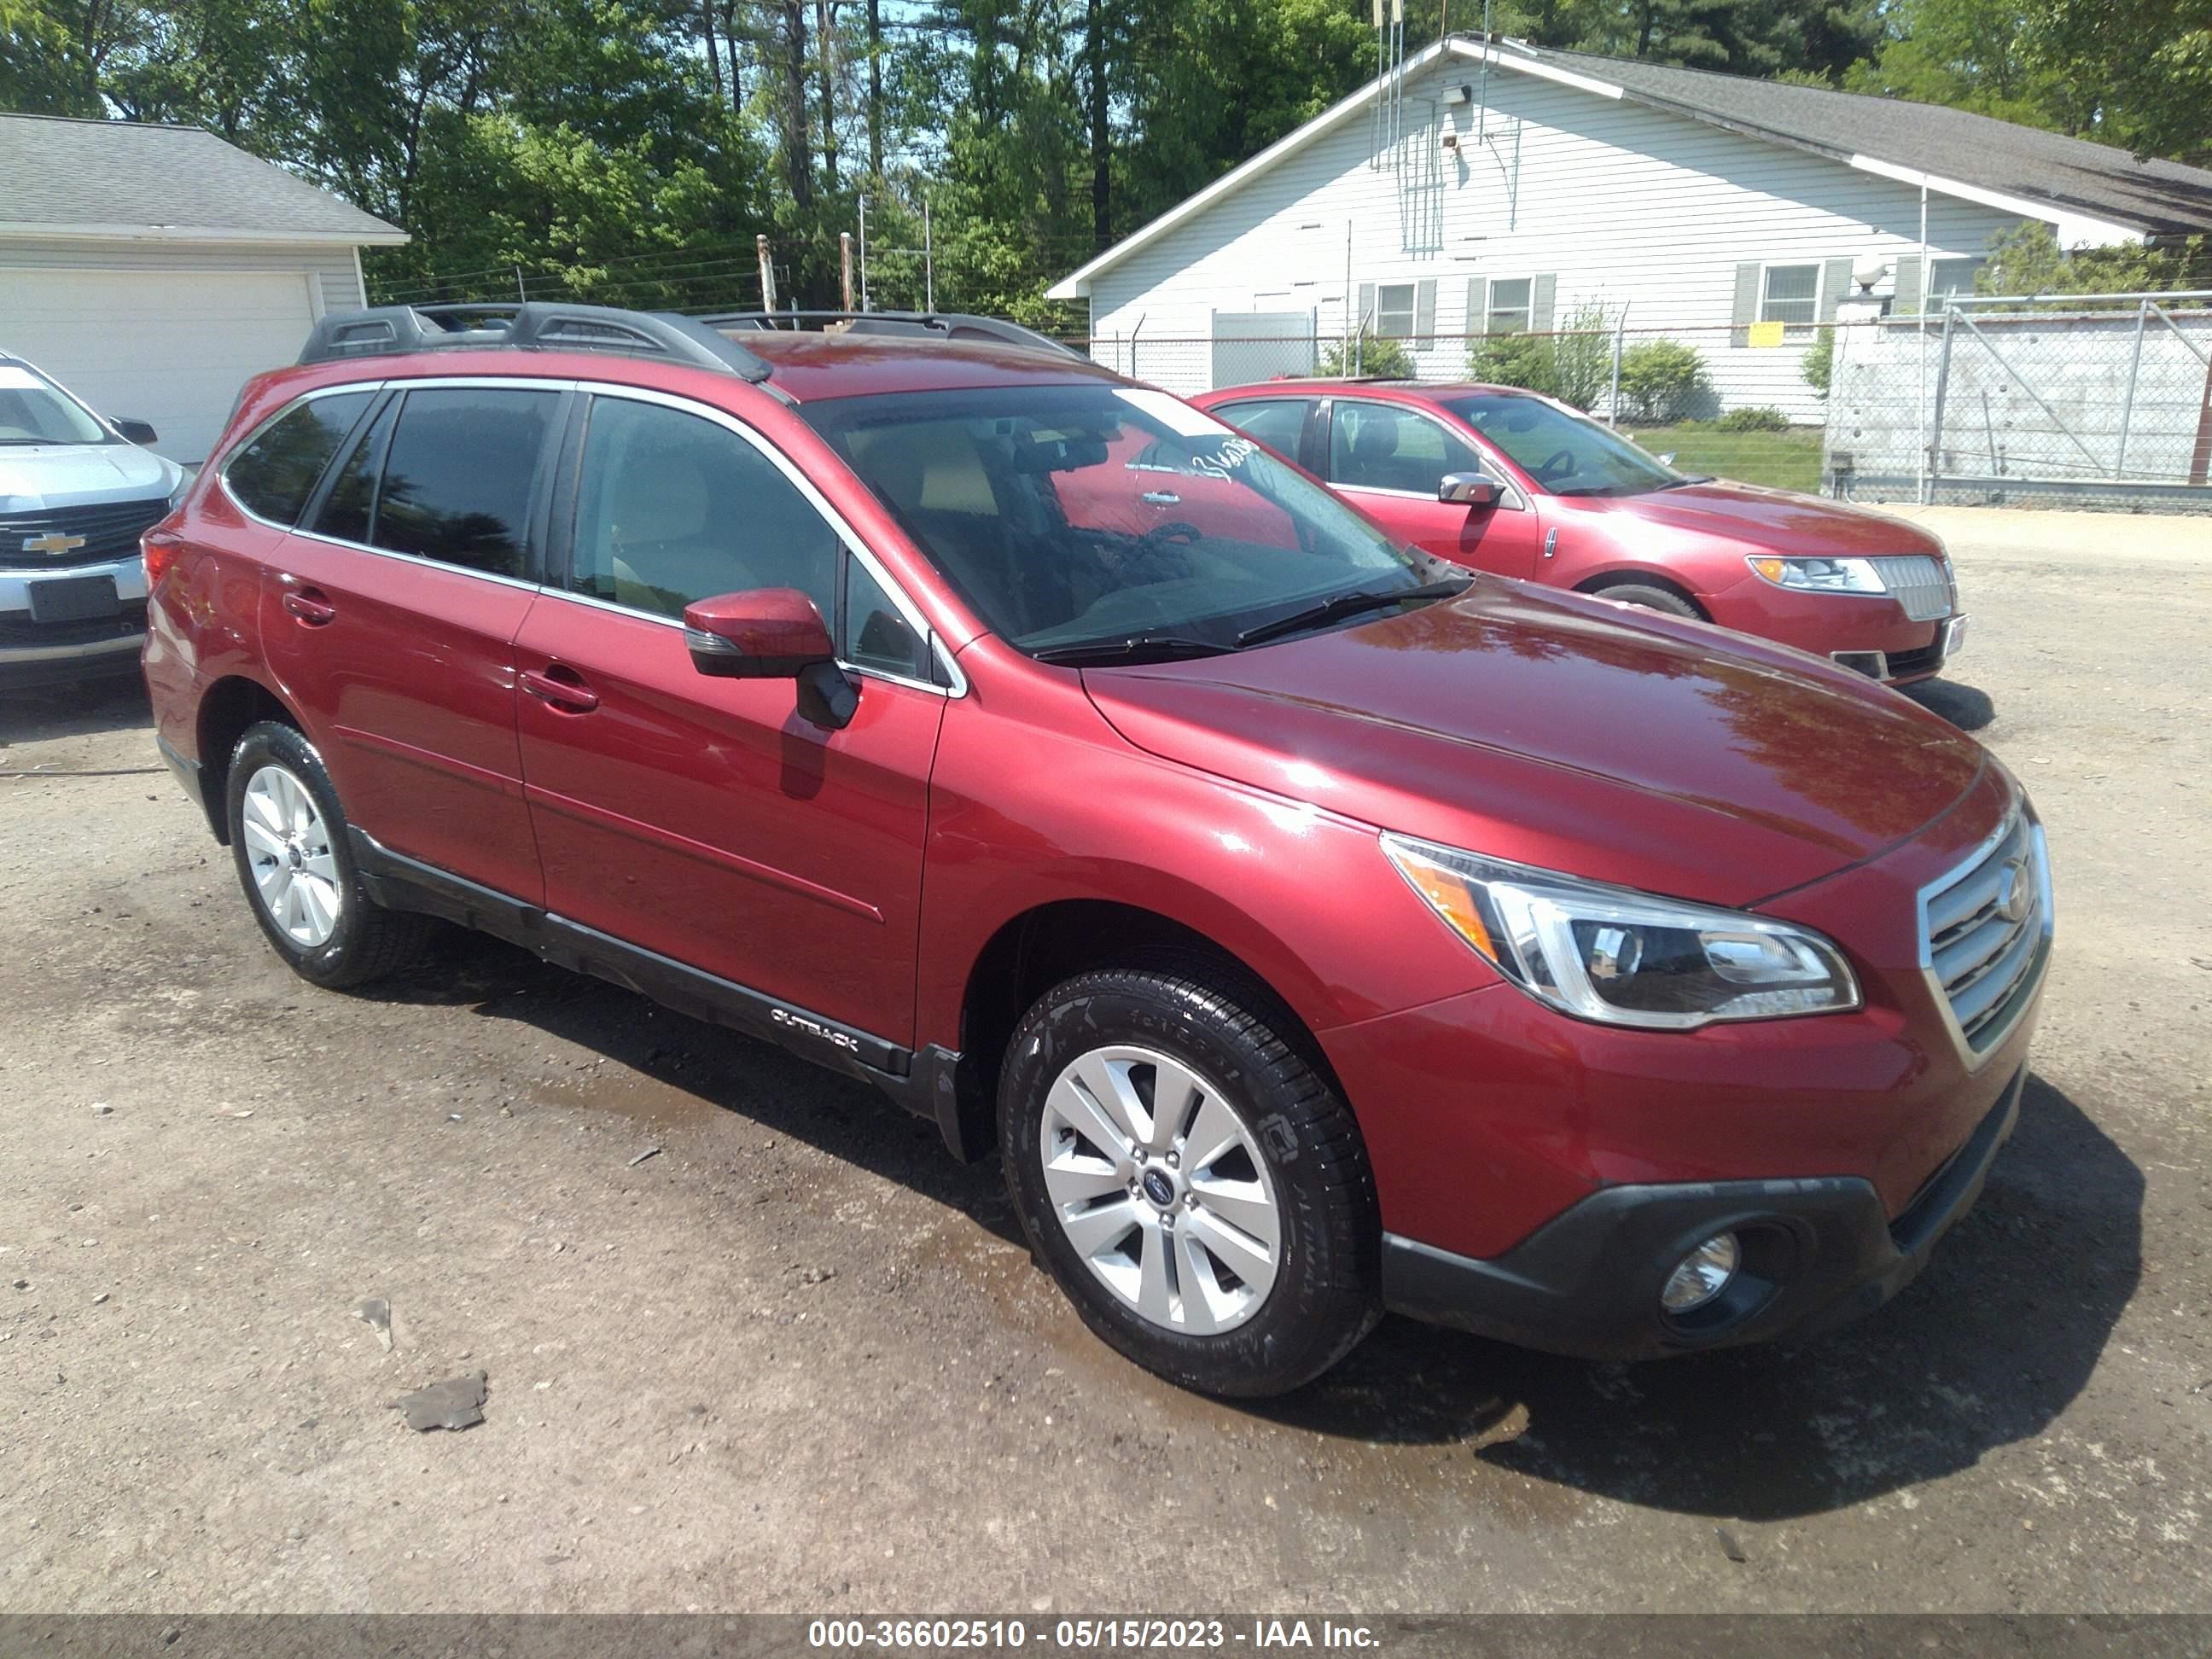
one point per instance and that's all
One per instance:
(1546, 728)
(1779, 520)
(80, 475)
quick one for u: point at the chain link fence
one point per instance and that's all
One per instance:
(2075, 401)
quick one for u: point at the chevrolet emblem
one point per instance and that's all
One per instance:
(52, 543)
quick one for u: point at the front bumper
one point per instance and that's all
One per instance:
(55, 653)
(1863, 632)
(1816, 1253)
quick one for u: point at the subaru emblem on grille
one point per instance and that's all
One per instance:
(2015, 892)
(51, 543)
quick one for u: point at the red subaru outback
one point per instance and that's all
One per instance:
(1314, 927)
(1505, 481)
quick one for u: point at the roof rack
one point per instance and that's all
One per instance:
(943, 325)
(528, 326)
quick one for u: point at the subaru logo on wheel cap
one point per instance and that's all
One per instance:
(1158, 1189)
(2015, 892)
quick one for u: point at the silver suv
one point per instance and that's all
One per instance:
(76, 494)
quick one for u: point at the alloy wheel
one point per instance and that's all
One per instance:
(1160, 1186)
(288, 848)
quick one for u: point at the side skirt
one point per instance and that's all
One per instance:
(400, 883)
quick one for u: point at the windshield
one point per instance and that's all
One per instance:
(1090, 515)
(1566, 453)
(34, 410)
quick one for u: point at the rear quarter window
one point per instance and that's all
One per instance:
(273, 476)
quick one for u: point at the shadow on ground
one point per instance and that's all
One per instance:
(1986, 1348)
(1966, 707)
(75, 711)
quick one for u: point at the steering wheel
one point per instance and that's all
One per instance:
(1558, 464)
(1150, 548)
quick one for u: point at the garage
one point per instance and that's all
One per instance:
(166, 350)
(153, 269)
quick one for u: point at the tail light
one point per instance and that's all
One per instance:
(158, 547)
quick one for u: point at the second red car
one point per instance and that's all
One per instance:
(1505, 481)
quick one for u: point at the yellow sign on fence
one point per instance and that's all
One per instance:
(1765, 334)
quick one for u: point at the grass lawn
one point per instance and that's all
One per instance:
(1787, 460)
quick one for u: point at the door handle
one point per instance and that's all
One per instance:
(310, 607)
(560, 688)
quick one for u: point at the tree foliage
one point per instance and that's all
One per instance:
(630, 150)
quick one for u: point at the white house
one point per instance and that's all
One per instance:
(152, 269)
(1492, 186)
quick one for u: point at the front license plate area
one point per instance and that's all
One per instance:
(75, 599)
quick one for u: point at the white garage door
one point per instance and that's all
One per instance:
(169, 347)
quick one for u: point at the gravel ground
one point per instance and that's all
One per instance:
(796, 1360)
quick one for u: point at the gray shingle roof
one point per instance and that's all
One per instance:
(2163, 197)
(120, 175)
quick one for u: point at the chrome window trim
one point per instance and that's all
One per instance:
(2015, 811)
(855, 545)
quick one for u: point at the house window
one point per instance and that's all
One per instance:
(1394, 310)
(1948, 276)
(1509, 307)
(1790, 295)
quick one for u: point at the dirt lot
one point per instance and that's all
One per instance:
(795, 1361)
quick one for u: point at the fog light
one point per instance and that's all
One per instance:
(1702, 1275)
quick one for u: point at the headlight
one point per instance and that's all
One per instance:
(1820, 576)
(1620, 957)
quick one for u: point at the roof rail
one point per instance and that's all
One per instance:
(528, 326)
(943, 325)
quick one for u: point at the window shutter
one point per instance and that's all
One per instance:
(1478, 304)
(1365, 319)
(1543, 292)
(1835, 283)
(1424, 312)
(1908, 287)
(1747, 304)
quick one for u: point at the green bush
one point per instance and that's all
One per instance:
(1384, 358)
(1526, 361)
(1762, 419)
(1660, 380)
(1820, 363)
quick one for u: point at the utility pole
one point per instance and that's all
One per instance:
(864, 256)
(845, 260)
(928, 261)
(767, 273)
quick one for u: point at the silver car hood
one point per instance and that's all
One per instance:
(80, 475)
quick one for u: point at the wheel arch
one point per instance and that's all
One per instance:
(1634, 576)
(1055, 939)
(226, 708)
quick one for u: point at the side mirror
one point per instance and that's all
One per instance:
(135, 432)
(773, 634)
(1470, 489)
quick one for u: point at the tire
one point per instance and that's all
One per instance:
(296, 865)
(1651, 599)
(1297, 1167)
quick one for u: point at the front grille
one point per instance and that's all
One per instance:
(1919, 661)
(1916, 582)
(110, 530)
(17, 629)
(1984, 951)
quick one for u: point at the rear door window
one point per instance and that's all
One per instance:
(1278, 422)
(273, 476)
(460, 473)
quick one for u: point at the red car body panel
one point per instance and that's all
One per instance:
(1694, 537)
(864, 873)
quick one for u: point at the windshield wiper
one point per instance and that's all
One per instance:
(1688, 478)
(1138, 647)
(1349, 605)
